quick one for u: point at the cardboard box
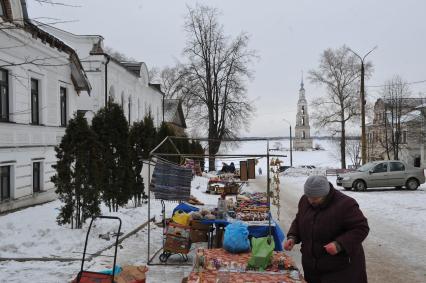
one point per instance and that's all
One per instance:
(132, 274)
(199, 231)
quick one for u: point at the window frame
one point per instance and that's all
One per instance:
(38, 181)
(3, 9)
(63, 113)
(9, 183)
(5, 84)
(35, 109)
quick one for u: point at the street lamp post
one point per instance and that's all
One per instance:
(291, 144)
(362, 89)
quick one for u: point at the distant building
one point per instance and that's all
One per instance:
(411, 133)
(173, 116)
(41, 79)
(302, 140)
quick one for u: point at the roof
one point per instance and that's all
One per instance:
(78, 75)
(410, 116)
(134, 67)
(173, 112)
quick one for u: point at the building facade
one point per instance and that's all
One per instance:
(302, 139)
(408, 127)
(41, 79)
(126, 83)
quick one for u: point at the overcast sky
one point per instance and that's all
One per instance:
(288, 35)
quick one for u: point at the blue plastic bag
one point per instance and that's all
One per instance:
(109, 271)
(236, 238)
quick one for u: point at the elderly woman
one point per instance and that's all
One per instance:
(331, 228)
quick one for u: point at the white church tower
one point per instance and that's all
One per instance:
(302, 140)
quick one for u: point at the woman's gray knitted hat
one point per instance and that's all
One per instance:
(316, 186)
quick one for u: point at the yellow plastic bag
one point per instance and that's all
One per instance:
(181, 218)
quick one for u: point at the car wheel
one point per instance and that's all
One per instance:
(412, 184)
(359, 185)
(347, 188)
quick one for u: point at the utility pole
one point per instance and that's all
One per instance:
(363, 102)
(291, 144)
(291, 150)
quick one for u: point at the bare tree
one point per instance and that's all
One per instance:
(338, 71)
(118, 55)
(397, 102)
(176, 84)
(218, 67)
(353, 150)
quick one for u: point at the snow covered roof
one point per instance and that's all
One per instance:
(410, 116)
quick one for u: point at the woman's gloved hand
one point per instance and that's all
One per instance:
(333, 248)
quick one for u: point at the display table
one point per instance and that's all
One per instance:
(256, 230)
(232, 264)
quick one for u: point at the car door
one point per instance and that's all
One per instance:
(379, 175)
(397, 174)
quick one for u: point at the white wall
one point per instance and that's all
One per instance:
(121, 82)
(21, 144)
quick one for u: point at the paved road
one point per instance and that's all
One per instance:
(391, 254)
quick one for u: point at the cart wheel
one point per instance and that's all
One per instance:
(164, 256)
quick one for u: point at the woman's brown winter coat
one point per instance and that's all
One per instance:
(338, 219)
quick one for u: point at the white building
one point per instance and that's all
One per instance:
(127, 83)
(41, 78)
(302, 140)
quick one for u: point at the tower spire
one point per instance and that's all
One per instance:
(301, 82)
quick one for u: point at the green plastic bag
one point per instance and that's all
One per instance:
(262, 251)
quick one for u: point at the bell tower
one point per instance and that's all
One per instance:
(302, 140)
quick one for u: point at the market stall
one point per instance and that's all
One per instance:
(218, 265)
(242, 224)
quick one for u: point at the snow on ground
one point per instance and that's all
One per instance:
(33, 232)
(402, 208)
(325, 158)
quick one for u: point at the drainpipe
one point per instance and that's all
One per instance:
(163, 106)
(108, 58)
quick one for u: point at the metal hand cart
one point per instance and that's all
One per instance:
(177, 241)
(85, 276)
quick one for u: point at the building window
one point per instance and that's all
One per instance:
(36, 177)
(158, 117)
(4, 183)
(34, 102)
(404, 136)
(139, 109)
(303, 110)
(303, 135)
(4, 95)
(130, 109)
(303, 121)
(63, 105)
(2, 9)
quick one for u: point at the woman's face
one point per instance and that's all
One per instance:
(316, 201)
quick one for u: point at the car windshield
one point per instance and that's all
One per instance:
(366, 167)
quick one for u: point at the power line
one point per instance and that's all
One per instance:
(410, 83)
